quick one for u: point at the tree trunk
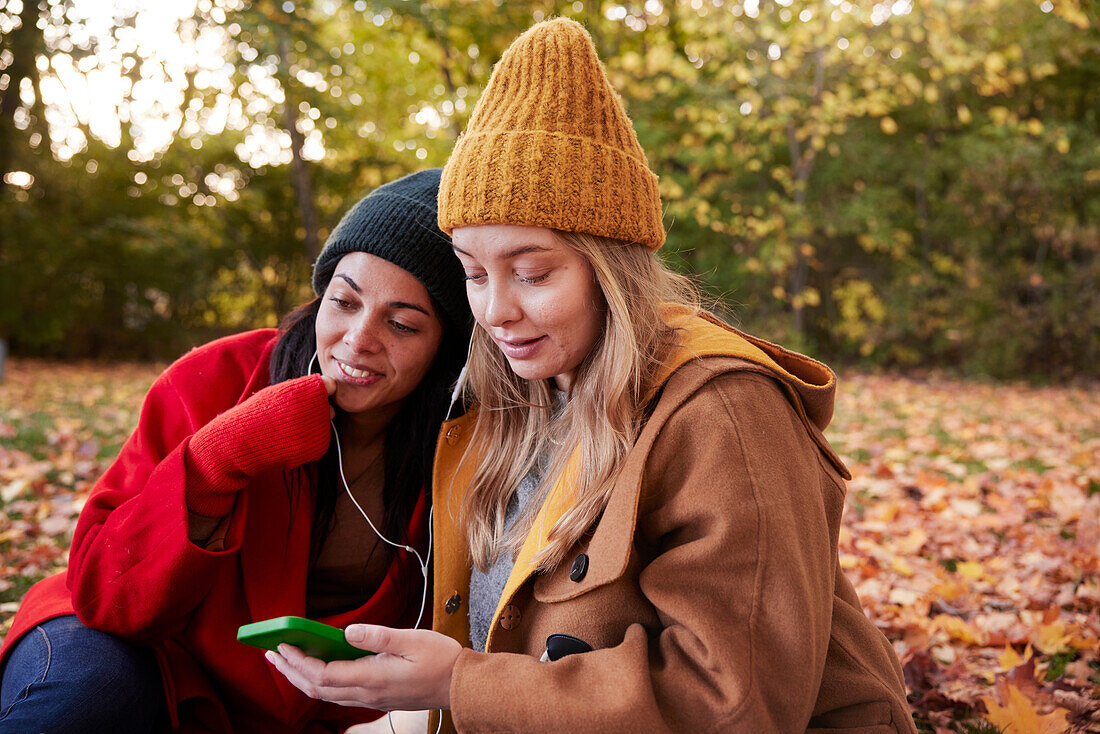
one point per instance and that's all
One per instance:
(303, 185)
(803, 158)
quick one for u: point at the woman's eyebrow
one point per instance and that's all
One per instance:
(521, 250)
(354, 286)
(413, 306)
(392, 304)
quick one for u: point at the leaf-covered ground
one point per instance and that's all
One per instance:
(972, 531)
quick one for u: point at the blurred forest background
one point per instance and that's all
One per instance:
(899, 183)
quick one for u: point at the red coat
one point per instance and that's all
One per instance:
(133, 571)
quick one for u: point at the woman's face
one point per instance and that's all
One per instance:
(535, 296)
(377, 333)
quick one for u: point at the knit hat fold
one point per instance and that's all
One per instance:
(550, 145)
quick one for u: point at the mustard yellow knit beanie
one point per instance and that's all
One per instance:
(550, 145)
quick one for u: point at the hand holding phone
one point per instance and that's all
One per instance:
(313, 638)
(414, 674)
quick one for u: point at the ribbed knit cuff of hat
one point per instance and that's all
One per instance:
(282, 426)
(555, 180)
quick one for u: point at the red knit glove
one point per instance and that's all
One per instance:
(282, 426)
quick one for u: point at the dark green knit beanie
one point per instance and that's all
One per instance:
(397, 222)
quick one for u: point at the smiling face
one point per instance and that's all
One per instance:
(534, 295)
(377, 333)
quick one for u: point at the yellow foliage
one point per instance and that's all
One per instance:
(859, 307)
(994, 63)
(912, 83)
(877, 108)
(945, 264)
(670, 189)
(970, 570)
(631, 61)
(1043, 70)
(1018, 715)
(1072, 14)
(950, 590)
(1051, 639)
(901, 566)
(958, 629)
(1009, 659)
(912, 542)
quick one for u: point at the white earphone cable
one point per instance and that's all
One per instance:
(461, 381)
(383, 538)
(423, 564)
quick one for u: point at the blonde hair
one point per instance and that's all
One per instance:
(601, 420)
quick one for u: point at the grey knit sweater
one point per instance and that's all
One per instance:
(486, 588)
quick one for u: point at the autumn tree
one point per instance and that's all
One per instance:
(899, 183)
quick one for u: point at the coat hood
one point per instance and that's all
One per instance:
(809, 384)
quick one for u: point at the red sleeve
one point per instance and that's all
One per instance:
(281, 427)
(133, 570)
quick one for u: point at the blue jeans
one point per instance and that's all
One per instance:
(64, 677)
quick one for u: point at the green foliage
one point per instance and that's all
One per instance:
(1058, 662)
(903, 189)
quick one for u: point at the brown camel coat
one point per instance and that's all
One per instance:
(713, 597)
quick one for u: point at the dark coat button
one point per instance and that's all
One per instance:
(579, 567)
(453, 603)
(509, 617)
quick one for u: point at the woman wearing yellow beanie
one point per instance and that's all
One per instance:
(644, 493)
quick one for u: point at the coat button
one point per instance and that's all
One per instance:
(453, 603)
(579, 567)
(452, 435)
(509, 617)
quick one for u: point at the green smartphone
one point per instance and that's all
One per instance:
(313, 638)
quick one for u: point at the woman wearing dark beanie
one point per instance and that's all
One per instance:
(236, 501)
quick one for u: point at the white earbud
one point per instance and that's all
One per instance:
(461, 381)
